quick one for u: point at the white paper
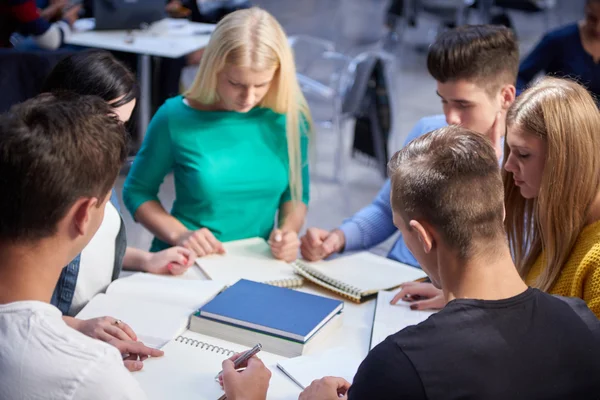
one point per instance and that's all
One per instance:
(338, 361)
(390, 319)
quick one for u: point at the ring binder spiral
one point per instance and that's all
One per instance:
(359, 276)
(289, 283)
(205, 346)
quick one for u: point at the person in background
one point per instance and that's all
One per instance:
(572, 51)
(237, 144)
(23, 17)
(550, 161)
(98, 73)
(475, 68)
(496, 336)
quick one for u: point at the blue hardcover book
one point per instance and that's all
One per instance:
(273, 310)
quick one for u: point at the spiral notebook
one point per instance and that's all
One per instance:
(249, 259)
(359, 276)
(190, 364)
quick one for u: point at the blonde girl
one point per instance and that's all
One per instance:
(236, 142)
(552, 189)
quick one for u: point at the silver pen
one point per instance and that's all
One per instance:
(243, 358)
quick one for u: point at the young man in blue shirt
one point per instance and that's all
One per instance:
(476, 69)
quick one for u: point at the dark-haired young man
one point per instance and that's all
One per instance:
(475, 68)
(496, 338)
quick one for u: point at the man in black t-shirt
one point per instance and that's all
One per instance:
(496, 338)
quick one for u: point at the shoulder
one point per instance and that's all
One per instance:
(587, 247)
(425, 125)
(581, 309)
(387, 369)
(567, 32)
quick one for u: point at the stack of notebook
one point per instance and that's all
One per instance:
(284, 321)
(359, 276)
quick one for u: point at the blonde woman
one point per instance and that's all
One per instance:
(552, 189)
(236, 142)
(552, 194)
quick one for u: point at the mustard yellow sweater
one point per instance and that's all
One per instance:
(580, 276)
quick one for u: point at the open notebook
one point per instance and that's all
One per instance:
(338, 361)
(390, 319)
(249, 259)
(157, 308)
(190, 364)
(358, 276)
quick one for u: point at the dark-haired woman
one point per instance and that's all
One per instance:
(99, 73)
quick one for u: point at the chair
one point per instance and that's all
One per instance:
(334, 85)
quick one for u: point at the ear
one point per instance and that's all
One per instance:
(508, 94)
(424, 235)
(81, 214)
(503, 214)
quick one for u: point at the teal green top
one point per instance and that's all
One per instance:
(230, 169)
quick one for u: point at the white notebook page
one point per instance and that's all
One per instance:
(390, 319)
(188, 372)
(246, 259)
(338, 361)
(367, 272)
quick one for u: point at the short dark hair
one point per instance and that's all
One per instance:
(485, 54)
(450, 178)
(95, 73)
(55, 149)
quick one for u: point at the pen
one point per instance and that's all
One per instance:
(243, 358)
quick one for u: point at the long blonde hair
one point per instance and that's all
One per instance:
(565, 116)
(253, 38)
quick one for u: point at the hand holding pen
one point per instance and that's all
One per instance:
(251, 383)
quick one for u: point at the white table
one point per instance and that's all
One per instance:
(170, 38)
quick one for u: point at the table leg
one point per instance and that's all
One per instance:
(145, 101)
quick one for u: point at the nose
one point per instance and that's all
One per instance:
(453, 117)
(510, 165)
(247, 96)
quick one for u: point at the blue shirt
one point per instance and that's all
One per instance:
(374, 223)
(561, 53)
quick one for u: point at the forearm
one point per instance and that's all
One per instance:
(292, 216)
(135, 259)
(371, 225)
(72, 322)
(159, 222)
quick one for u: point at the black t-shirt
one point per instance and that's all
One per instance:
(531, 346)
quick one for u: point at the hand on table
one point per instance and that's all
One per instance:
(328, 388)
(284, 244)
(104, 328)
(135, 353)
(202, 242)
(422, 296)
(318, 244)
(175, 261)
(250, 384)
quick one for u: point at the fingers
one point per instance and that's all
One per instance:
(229, 371)
(133, 365)
(127, 330)
(137, 348)
(215, 244)
(435, 303)
(287, 248)
(331, 243)
(177, 269)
